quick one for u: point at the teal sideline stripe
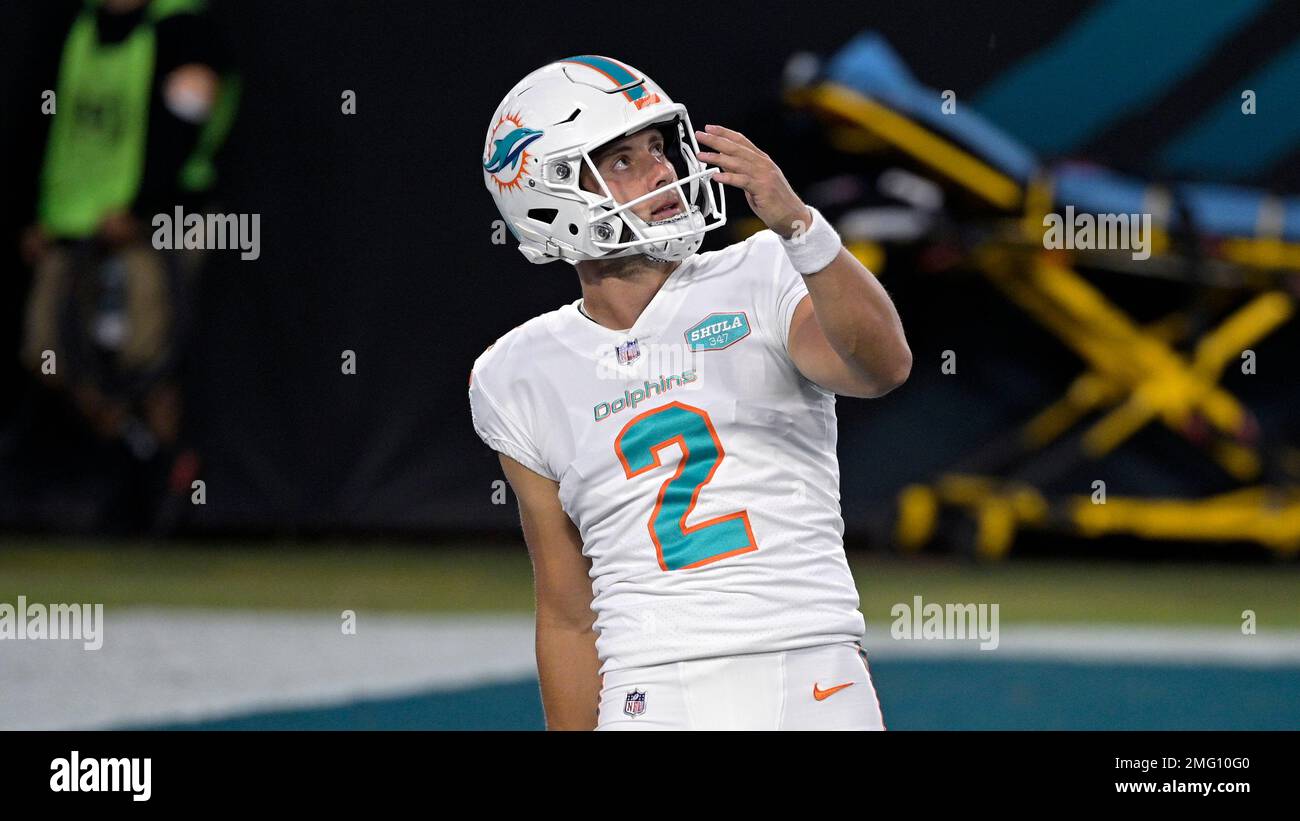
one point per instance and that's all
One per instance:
(620, 75)
(1232, 145)
(1065, 94)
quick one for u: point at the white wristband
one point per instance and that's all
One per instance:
(814, 248)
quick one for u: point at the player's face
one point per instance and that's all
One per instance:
(633, 166)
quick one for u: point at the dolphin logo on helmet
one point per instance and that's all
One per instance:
(507, 149)
(573, 107)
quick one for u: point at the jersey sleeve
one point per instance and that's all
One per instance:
(500, 429)
(780, 292)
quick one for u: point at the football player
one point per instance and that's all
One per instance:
(670, 436)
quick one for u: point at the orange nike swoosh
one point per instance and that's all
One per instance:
(822, 695)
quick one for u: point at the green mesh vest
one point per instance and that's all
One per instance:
(94, 159)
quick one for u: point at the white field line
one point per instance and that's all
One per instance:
(182, 665)
(1108, 643)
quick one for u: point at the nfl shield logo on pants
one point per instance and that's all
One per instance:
(628, 352)
(634, 704)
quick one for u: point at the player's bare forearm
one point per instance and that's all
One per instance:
(860, 325)
(567, 667)
(567, 663)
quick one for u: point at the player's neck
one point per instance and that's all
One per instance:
(616, 292)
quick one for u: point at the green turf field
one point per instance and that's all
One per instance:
(496, 577)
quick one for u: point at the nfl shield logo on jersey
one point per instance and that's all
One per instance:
(634, 704)
(628, 352)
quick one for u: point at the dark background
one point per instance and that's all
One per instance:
(376, 236)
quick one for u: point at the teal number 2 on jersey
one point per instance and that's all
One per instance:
(679, 545)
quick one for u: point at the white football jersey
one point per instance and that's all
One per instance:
(696, 461)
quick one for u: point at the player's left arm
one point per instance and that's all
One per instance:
(846, 334)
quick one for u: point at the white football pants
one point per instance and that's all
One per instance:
(828, 687)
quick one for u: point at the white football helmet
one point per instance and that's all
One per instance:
(543, 133)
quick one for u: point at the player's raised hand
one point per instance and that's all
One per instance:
(766, 189)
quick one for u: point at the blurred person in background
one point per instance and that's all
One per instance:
(144, 97)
